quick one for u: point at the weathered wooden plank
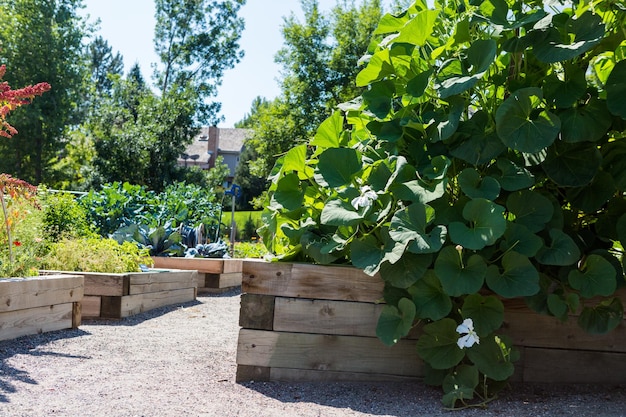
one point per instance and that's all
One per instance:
(530, 329)
(326, 317)
(109, 284)
(232, 265)
(252, 373)
(310, 281)
(46, 290)
(308, 375)
(147, 282)
(226, 280)
(91, 306)
(327, 353)
(257, 311)
(270, 278)
(139, 303)
(210, 265)
(35, 320)
(573, 366)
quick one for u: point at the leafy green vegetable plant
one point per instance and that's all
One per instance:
(484, 161)
(118, 205)
(159, 240)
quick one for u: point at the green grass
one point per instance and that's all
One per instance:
(241, 217)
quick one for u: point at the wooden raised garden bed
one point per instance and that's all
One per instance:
(215, 275)
(303, 322)
(109, 295)
(39, 304)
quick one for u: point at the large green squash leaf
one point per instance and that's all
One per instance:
(378, 67)
(519, 238)
(328, 134)
(523, 125)
(487, 313)
(474, 142)
(530, 208)
(409, 226)
(395, 322)
(458, 277)
(445, 123)
(572, 165)
(614, 162)
(366, 254)
(565, 93)
(586, 123)
(337, 212)
(603, 318)
(582, 32)
(597, 277)
(338, 165)
(616, 90)
(486, 225)
(438, 345)
(492, 357)
(431, 301)
(406, 271)
(418, 29)
(378, 98)
(593, 196)
(519, 278)
(466, 73)
(513, 177)
(561, 251)
(288, 192)
(474, 186)
(417, 85)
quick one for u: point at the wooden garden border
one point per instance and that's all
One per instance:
(303, 322)
(215, 275)
(111, 295)
(39, 304)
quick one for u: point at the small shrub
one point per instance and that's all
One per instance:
(249, 230)
(94, 254)
(63, 217)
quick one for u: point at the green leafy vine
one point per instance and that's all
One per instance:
(486, 160)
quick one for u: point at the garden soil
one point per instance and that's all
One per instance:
(180, 361)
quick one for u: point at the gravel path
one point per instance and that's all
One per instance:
(180, 361)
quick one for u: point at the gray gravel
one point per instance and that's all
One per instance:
(180, 361)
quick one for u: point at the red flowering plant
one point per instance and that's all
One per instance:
(12, 99)
(13, 189)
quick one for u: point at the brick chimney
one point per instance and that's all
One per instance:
(213, 145)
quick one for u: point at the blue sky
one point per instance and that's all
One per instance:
(128, 26)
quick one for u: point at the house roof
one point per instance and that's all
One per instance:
(231, 140)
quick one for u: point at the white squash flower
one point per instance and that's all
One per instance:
(365, 199)
(468, 335)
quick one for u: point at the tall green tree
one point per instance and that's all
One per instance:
(43, 39)
(103, 63)
(320, 60)
(196, 40)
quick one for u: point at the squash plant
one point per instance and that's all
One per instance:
(485, 160)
